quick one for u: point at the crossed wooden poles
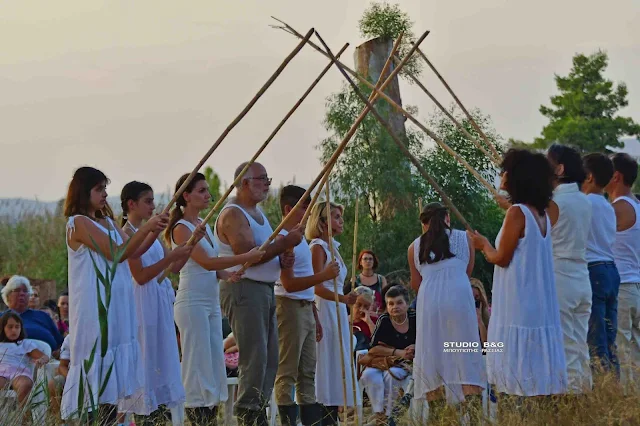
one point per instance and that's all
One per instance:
(323, 177)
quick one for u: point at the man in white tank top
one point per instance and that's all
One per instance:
(298, 325)
(626, 250)
(603, 273)
(250, 304)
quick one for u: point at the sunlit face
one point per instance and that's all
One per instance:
(361, 306)
(258, 182)
(503, 181)
(63, 306)
(476, 294)
(34, 300)
(145, 205)
(397, 306)
(367, 261)
(19, 299)
(337, 222)
(12, 329)
(199, 197)
(98, 196)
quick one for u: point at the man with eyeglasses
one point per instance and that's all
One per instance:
(250, 303)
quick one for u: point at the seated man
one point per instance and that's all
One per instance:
(395, 335)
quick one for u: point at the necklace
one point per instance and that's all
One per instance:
(368, 276)
(406, 317)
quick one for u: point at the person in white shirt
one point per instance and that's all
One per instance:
(603, 272)
(626, 251)
(298, 324)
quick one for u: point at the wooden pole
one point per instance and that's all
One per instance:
(383, 95)
(399, 143)
(354, 259)
(420, 205)
(240, 116)
(468, 135)
(347, 137)
(496, 154)
(337, 301)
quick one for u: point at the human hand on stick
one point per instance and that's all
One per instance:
(254, 255)
(478, 240)
(331, 271)
(182, 252)
(199, 233)
(409, 352)
(349, 299)
(294, 237)
(157, 223)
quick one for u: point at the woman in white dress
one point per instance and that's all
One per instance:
(154, 307)
(329, 390)
(116, 376)
(197, 306)
(441, 261)
(525, 317)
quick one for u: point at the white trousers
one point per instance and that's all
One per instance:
(383, 388)
(628, 336)
(574, 300)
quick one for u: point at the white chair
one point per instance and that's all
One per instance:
(232, 385)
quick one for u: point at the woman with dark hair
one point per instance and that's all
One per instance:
(441, 261)
(525, 318)
(570, 217)
(197, 307)
(93, 240)
(63, 313)
(367, 265)
(154, 306)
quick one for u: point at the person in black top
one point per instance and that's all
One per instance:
(395, 334)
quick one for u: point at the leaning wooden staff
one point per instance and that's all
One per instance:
(354, 259)
(381, 94)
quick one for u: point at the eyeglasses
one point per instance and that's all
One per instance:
(262, 178)
(19, 290)
(368, 259)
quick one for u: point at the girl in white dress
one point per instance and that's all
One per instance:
(329, 390)
(441, 261)
(116, 376)
(525, 317)
(197, 306)
(154, 306)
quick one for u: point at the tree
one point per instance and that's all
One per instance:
(388, 21)
(214, 182)
(584, 114)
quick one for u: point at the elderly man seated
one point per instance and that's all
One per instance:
(38, 325)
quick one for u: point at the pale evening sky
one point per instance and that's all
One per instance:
(142, 89)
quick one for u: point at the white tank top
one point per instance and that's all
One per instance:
(602, 234)
(626, 248)
(303, 267)
(569, 235)
(268, 272)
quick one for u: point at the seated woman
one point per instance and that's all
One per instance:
(395, 334)
(37, 324)
(364, 323)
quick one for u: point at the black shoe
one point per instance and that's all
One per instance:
(288, 415)
(311, 414)
(329, 416)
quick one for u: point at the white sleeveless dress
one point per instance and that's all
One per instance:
(329, 390)
(126, 382)
(199, 319)
(446, 313)
(525, 317)
(157, 336)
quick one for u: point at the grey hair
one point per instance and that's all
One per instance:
(239, 170)
(15, 282)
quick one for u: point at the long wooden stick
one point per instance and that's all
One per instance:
(346, 138)
(468, 135)
(337, 301)
(384, 96)
(353, 286)
(395, 138)
(496, 154)
(236, 120)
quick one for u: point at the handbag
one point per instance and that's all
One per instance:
(385, 362)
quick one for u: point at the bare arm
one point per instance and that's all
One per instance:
(292, 284)
(39, 357)
(512, 231)
(472, 257)
(625, 215)
(181, 235)
(416, 278)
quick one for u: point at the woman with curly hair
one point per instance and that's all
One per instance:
(525, 314)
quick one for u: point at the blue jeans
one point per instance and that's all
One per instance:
(603, 323)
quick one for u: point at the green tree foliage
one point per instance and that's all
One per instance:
(387, 21)
(584, 114)
(214, 182)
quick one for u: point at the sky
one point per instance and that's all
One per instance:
(142, 89)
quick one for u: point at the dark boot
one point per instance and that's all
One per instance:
(311, 414)
(329, 416)
(288, 414)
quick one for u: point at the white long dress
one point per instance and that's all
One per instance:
(446, 313)
(199, 319)
(329, 391)
(126, 382)
(157, 337)
(525, 317)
